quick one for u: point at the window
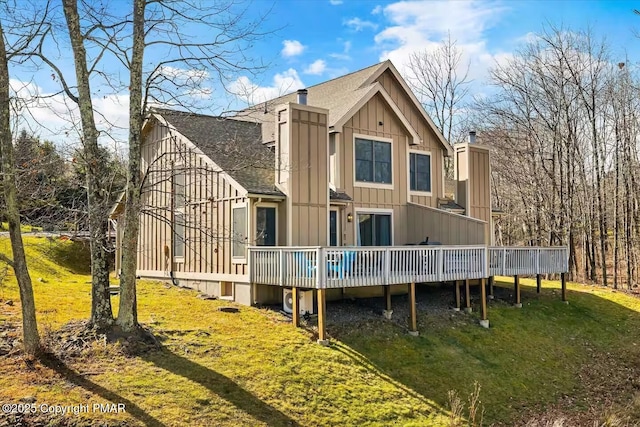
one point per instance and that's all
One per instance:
(373, 161)
(239, 232)
(265, 226)
(374, 230)
(178, 235)
(420, 172)
(178, 190)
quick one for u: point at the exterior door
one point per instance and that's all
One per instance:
(266, 226)
(374, 229)
(334, 227)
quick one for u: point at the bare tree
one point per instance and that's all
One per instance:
(101, 312)
(19, 261)
(440, 78)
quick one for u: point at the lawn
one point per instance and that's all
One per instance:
(253, 368)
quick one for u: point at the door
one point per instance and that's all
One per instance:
(334, 227)
(266, 226)
(374, 229)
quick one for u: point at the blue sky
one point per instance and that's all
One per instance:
(320, 39)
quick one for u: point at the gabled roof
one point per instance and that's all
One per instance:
(340, 96)
(235, 146)
(337, 95)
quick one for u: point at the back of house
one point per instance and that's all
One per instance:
(354, 161)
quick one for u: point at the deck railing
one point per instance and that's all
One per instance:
(339, 267)
(511, 261)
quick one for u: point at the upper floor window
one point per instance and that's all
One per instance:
(373, 161)
(420, 172)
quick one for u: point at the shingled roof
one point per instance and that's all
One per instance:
(236, 146)
(338, 96)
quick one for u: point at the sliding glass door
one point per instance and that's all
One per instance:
(374, 229)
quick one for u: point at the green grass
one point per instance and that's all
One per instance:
(254, 368)
(25, 228)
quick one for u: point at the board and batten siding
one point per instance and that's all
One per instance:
(304, 158)
(430, 141)
(445, 227)
(207, 211)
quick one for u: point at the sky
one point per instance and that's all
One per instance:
(311, 41)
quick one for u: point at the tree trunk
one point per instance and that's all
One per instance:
(29, 324)
(101, 313)
(128, 313)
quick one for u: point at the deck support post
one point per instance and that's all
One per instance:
(563, 281)
(295, 306)
(322, 312)
(413, 327)
(387, 312)
(538, 282)
(516, 291)
(491, 280)
(484, 321)
(457, 286)
(467, 296)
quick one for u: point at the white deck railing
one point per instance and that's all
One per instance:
(511, 261)
(339, 267)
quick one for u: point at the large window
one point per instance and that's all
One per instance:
(374, 229)
(373, 161)
(420, 172)
(239, 232)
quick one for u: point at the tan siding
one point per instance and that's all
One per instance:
(307, 161)
(208, 210)
(444, 227)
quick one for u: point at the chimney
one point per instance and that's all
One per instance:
(472, 137)
(302, 96)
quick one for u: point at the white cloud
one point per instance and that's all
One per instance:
(316, 68)
(422, 25)
(376, 10)
(344, 56)
(252, 93)
(54, 117)
(359, 24)
(292, 48)
(335, 2)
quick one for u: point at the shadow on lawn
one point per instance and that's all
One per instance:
(74, 377)
(224, 387)
(441, 360)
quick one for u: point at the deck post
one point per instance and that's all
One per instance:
(563, 280)
(491, 280)
(295, 306)
(322, 312)
(467, 295)
(387, 298)
(484, 321)
(516, 291)
(413, 329)
(538, 282)
(457, 286)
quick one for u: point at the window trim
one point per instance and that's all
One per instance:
(255, 216)
(374, 211)
(179, 169)
(365, 184)
(416, 192)
(235, 259)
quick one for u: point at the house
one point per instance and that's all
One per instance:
(351, 162)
